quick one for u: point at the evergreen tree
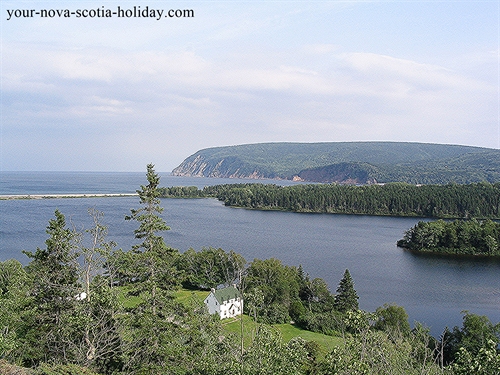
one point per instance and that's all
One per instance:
(13, 288)
(52, 297)
(346, 298)
(153, 325)
(153, 260)
(150, 221)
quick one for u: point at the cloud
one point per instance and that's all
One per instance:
(216, 85)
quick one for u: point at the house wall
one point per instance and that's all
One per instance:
(231, 308)
(212, 304)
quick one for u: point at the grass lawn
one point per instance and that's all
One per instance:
(125, 299)
(288, 331)
(184, 295)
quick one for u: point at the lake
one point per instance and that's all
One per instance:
(433, 290)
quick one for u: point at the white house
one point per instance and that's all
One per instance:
(226, 302)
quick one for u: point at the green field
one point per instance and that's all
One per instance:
(287, 332)
(184, 295)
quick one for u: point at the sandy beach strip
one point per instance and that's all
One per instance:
(52, 196)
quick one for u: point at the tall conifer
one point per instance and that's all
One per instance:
(52, 296)
(153, 328)
(346, 298)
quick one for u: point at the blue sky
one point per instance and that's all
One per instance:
(113, 94)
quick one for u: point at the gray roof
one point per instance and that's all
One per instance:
(225, 294)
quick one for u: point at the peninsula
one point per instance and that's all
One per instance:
(51, 196)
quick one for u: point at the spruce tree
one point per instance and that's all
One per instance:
(153, 325)
(52, 296)
(154, 259)
(148, 216)
(346, 298)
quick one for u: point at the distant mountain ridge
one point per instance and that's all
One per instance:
(347, 162)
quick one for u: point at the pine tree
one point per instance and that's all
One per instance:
(346, 298)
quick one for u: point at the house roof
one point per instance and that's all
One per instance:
(225, 294)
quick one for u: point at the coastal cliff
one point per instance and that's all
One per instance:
(228, 167)
(347, 162)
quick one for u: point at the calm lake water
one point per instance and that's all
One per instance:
(433, 290)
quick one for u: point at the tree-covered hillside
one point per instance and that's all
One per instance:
(355, 162)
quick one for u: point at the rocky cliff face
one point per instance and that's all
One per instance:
(233, 167)
(191, 168)
(229, 167)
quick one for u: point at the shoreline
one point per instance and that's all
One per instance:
(442, 254)
(55, 196)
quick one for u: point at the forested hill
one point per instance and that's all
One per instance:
(347, 162)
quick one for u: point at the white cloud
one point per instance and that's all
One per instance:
(242, 77)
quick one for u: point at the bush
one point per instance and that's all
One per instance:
(276, 314)
(71, 369)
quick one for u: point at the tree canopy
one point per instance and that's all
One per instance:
(478, 200)
(459, 237)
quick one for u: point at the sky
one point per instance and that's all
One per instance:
(115, 93)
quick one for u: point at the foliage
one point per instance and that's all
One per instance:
(150, 266)
(480, 200)
(210, 268)
(416, 163)
(99, 344)
(10, 369)
(180, 192)
(471, 237)
(268, 354)
(151, 263)
(150, 221)
(346, 298)
(14, 283)
(95, 256)
(485, 362)
(52, 295)
(392, 319)
(374, 352)
(69, 369)
(475, 334)
(132, 319)
(277, 284)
